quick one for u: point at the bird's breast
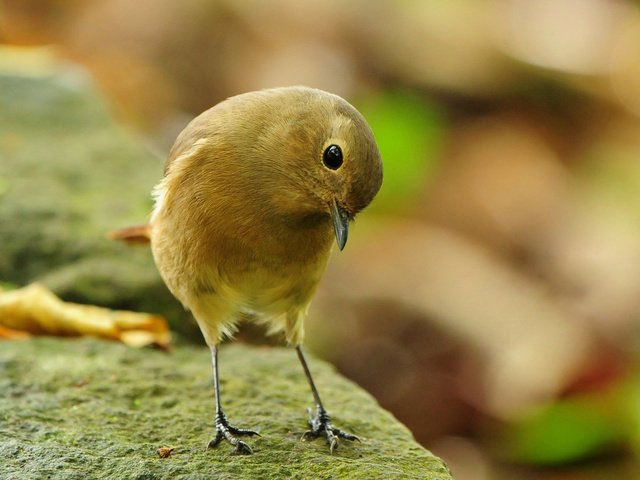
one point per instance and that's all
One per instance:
(264, 263)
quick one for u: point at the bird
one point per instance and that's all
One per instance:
(256, 191)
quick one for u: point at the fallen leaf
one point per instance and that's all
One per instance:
(35, 310)
(165, 452)
(139, 234)
(11, 334)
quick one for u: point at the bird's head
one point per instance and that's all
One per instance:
(329, 154)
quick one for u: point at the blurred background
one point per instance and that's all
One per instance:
(490, 296)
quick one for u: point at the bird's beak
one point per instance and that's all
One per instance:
(340, 223)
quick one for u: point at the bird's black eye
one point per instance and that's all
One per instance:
(332, 157)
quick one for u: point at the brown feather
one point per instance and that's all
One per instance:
(242, 219)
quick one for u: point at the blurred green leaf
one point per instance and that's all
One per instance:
(632, 403)
(612, 172)
(571, 430)
(7, 286)
(409, 131)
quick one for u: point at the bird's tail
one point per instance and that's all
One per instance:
(138, 234)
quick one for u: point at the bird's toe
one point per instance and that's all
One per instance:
(321, 427)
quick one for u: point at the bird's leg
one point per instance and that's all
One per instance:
(223, 429)
(320, 423)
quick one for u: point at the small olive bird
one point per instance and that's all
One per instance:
(255, 190)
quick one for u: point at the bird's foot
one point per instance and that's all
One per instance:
(321, 426)
(228, 433)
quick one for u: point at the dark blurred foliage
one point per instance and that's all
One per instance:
(490, 297)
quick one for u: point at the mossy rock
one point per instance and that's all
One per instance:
(87, 408)
(69, 174)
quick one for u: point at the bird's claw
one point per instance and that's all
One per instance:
(227, 432)
(321, 426)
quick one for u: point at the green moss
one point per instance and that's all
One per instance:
(77, 409)
(96, 409)
(68, 175)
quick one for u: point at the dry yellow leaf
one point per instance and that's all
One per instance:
(10, 334)
(36, 310)
(165, 452)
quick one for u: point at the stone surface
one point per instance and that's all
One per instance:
(86, 408)
(69, 173)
